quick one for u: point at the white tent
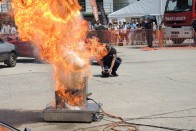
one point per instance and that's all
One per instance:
(141, 8)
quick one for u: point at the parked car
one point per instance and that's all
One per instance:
(8, 53)
(25, 48)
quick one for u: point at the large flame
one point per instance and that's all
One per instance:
(58, 30)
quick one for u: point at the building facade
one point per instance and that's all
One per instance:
(5, 11)
(5, 5)
(108, 5)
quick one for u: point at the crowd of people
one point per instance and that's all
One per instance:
(8, 28)
(130, 33)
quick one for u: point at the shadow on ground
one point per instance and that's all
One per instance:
(17, 118)
(25, 60)
(101, 76)
(30, 60)
(3, 66)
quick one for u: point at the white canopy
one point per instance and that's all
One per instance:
(141, 8)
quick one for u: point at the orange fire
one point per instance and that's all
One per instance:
(57, 29)
(3, 128)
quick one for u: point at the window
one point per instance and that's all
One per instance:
(83, 5)
(99, 3)
(179, 5)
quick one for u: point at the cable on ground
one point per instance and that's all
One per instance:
(123, 123)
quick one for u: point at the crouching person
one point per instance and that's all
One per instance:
(110, 62)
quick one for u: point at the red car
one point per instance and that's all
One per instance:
(25, 48)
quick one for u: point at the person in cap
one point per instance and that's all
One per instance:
(110, 62)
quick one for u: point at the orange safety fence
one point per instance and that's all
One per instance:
(122, 37)
(140, 38)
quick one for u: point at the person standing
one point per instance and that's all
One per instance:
(124, 34)
(110, 62)
(120, 43)
(149, 32)
(6, 28)
(90, 26)
(110, 26)
(97, 24)
(194, 36)
(111, 34)
(13, 30)
(132, 27)
(116, 33)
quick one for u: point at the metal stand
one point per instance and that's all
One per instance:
(64, 115)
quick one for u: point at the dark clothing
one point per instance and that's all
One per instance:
(149, 37)
(116, 65)
(194, 25)
(107, 60)
(148, 25)
(149, 33)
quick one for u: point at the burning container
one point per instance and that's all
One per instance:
(72, 94)
(71, 102)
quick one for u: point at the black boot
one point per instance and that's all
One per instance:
(114, 73)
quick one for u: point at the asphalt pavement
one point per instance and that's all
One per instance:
(155, 88)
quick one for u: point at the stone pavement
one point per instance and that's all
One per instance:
(157, 86)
